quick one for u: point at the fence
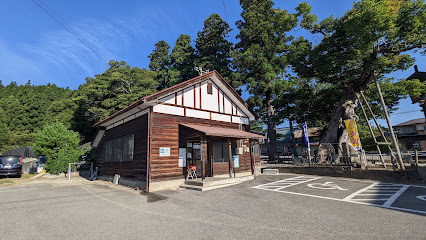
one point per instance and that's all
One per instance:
(358, 158)
(84, 169)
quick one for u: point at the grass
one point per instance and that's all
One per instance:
(24, 177)
(27, 176)
(5, 180)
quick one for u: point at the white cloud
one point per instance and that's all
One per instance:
(59, 57)
(13, 64)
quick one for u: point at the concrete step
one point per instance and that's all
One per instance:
(203, 189)
(210, 182)
(270, 171)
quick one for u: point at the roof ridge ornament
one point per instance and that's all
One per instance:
(200, 70)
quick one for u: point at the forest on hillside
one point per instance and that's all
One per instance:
(287, 78)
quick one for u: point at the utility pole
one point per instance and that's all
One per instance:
(398, 153)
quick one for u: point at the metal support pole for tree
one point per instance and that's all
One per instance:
(398, 153)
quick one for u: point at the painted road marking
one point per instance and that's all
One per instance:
(376, 194)
(422, 197)
(392, 199)
(393, 191)
(289, 182)
(326, 186)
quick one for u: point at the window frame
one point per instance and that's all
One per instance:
(224, 155)
(210, 88)
(119, 144)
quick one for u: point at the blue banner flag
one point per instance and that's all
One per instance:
(306, 135)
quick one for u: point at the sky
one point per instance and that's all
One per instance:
(35, 47)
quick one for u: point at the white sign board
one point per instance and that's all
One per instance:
(182, 157)
(164, 151)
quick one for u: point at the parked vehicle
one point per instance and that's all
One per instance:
(10, 166)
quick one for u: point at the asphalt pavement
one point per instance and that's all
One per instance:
(269, 207)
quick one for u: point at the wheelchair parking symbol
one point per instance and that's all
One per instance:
(326, 186)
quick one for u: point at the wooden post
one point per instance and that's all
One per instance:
(210, 157)
(371, 132)
(398, 153)
(203, 144)
(417, 161)
(381, 131)
(231, 163)
(251, 157)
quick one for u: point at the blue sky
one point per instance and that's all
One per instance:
(34, 47)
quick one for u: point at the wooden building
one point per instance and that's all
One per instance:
(201, 122)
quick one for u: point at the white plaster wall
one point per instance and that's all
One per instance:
(168, 99)
(228, 105)
(240, 113)
(220, 101)
(209, 101)
(197, 96)
(179, 98)
(236, 119)
(159, 108)
(197, 114)
(188, 97)
(221, 117)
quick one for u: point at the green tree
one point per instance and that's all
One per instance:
(26, 108)
(160, 63)
(59, 144)
(368, 40)
(108, 93)
(213, 48)
(260, 57)
(182, 58)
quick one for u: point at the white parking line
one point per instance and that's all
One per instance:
(392, 199)
(348, 198)
(381, 190)
(289, 182)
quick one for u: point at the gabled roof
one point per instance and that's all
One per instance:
(411, 122)
(417, 75)
(151, 99)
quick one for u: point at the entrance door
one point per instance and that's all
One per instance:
(194, 147)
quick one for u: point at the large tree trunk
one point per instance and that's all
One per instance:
(272, 133)
(335, 134)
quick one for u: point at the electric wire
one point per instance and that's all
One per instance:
(75, 34)
(62, 20)
(226, 17)
(407, 112)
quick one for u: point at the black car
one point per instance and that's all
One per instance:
(10, 166)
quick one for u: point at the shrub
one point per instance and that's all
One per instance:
(59, 144)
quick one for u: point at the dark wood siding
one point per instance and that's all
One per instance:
(135, 169)
(165, 133)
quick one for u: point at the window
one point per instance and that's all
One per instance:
(256, 149)
(119, 149)
(221, 151)
(209, 88)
